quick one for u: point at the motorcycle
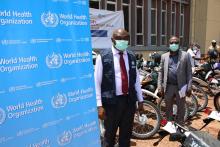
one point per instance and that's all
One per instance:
(148, 123)
(215, 114)
(207, 76)
(189, 137)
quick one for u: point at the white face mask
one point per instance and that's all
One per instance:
(121, 45)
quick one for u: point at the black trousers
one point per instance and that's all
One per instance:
(119, 115)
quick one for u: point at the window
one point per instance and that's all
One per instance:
(126, 10)
(139, 22)
(94, 4)
(164, 23)
(181, 25)
(173, 19)
(126, 1)
(153, 22)
(139, 2)
(111, 5)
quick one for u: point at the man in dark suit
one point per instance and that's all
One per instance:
(117, 89)
(175, 79)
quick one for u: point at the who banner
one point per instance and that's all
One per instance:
(103, 23)
(47, 95)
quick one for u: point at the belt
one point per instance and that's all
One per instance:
(124, 95)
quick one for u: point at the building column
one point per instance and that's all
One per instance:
(186, 24)
(159, 7)
(133, 23)
(178, 20)
(102, 4)
(169, 19)
(119, 5)
(146, 22)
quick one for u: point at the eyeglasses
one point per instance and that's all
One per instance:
(174, 42)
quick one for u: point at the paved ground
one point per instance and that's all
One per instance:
(197, 122)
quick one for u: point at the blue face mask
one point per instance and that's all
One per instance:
(174, 47)
(121, 45)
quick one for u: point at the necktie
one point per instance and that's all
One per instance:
(124, 76)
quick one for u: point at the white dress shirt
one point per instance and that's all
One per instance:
(197, 53)
(118, 88)
(192, 60)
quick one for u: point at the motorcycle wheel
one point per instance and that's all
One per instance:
(201, 96)
(217, 101)
(147, 124)
(192, 105)
(162, 108)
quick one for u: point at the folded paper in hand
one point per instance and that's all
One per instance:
(182, 91)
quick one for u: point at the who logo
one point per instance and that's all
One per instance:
(2, 116)
(65, 138)
(54, 60)
(59, 101)
(49, 19)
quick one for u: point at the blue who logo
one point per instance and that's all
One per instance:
(65, 138)
(2, 116)
(54, 60)
(59, 101)
(49, 19)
